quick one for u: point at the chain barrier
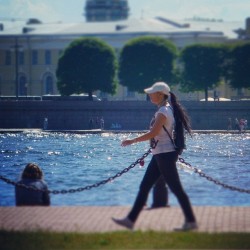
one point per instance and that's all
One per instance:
(202, 174)
(125, 170)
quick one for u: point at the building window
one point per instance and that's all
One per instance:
(48, 85)
(21, 57)
(34, 57)
(8, 58)
(22, 86)
(47, 57)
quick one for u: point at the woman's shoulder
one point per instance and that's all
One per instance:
(166, 109)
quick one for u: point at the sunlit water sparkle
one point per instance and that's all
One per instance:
(70, 161)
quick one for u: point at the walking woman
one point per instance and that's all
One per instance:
(164, 157)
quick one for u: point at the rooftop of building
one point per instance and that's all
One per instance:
(157, 25)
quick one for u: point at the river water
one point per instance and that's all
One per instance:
(71, 161)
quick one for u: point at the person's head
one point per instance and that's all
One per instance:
(158, 92)
(32, 171)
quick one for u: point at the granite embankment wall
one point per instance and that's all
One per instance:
(131, 115)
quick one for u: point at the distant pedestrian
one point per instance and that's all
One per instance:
(32, 176)
(102, 123)
(229, 124)
(160, 193)
(245, 127)
(97, 122)
(242, 125)
(236, 124)
(45, 123)
(91, 123)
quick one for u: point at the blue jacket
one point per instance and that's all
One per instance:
(26, 197)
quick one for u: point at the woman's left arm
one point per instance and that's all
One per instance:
(159, 122)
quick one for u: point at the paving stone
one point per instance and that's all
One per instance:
(98, 219)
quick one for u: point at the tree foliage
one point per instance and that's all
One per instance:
(146, 60)
(87, 65)
(238, 66)
(202, 67)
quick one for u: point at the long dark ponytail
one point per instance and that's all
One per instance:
(180, 113)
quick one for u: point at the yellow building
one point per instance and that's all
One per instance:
(29, 51)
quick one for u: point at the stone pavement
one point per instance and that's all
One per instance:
(98, 219)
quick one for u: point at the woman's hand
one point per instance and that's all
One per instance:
(127, 142)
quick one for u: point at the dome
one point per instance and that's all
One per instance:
(106, 10)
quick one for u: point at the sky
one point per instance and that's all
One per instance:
(72, 10)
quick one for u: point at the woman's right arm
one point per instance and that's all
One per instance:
(159, 122)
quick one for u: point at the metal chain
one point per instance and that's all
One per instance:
(125, 170)
(198, 171)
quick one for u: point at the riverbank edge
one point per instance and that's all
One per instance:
(100, 131)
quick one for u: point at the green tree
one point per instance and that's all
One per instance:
(146, 60)
(202, 67)
(87, 65)
(237, 69)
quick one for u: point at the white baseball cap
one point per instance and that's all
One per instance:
(158, 87)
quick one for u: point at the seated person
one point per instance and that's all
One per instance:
(32, 176)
